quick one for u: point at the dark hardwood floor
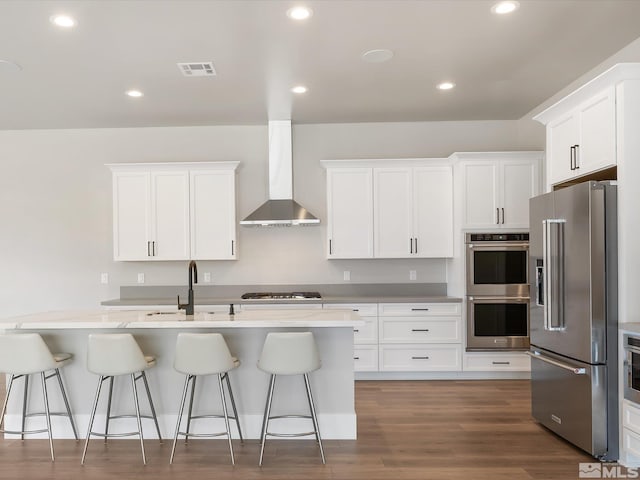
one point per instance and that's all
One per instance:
(407, 430)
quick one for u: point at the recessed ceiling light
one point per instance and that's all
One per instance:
(505, 7)
(377, 56)
(64, 21)
(299, 89)
(299, 13)
(8, 66)
(446, 85)
(134, 93)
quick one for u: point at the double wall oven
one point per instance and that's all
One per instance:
(497, 291)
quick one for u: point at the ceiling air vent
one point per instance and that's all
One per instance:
(197, 69)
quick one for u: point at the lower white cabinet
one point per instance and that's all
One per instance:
(631, 432)
(365, 337)
(496, 362)
(420, 337)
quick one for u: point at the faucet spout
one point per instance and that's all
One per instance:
(193, 278)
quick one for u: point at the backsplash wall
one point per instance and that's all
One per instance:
(55, 202)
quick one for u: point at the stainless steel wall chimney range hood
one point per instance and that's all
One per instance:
(280, 210)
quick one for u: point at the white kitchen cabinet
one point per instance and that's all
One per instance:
(496, 362)
(413, 212)
(420, 337)
(173, 211)
(151, 215)
(213, 214)
(497, 188)
(583, 140)
(365, 337)
(350, 213)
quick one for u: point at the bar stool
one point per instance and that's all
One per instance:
(22, 355)
(111, 355)
(204, 354)
(290, 353)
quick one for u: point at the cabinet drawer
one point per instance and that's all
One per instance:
(631, 445)
(408, 330)
(497, 362)
(418, 309)
(420, 358)
(365, 358)
(363, 309)
(367, 333)
(631, 415)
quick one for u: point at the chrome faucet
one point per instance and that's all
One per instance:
(193, 278)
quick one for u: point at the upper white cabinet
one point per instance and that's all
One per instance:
(389, 208)
(174, 211)
(583, 140)
(350, 213)
(497, 188)
(413, 212)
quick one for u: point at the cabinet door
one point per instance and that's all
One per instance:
(480, 193)
(561, 136)
(519, 181)
(350, 213)
(433, 211)
(597, 148)
(213, 215)
(392, 212)
(170, 215)
(131, 216)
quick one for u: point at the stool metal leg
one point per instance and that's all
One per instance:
(66, 403)
(233, 405)
(6, 400)
(24, 405)
(226, 418)
(46, 412)
(265, 420)
(193, 389)
(93, 416)
(314, 418)
(106, 422)
(180, 411)
(153, 410)
(137, 404)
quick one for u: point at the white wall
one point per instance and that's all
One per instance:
(55, 204)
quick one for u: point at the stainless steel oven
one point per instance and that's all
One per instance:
(497, 264)
(497, 323)
(632, 368)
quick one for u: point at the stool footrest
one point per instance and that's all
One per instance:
(148, 417)
(51, 414)
(291, 416)
(26, 432)
(203, 435)
(290, 434)
(194, 417)
(109, 435)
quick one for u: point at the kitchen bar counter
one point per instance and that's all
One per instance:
(244, 332)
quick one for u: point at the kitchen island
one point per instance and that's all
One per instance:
(156, 332)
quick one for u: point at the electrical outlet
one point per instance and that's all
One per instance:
(141, 278)
(207, 277)
(412, 275)
(346, 275)
(104, 278)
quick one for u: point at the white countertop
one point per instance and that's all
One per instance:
(87, 319)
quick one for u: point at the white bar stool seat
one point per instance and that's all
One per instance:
(25, 354)
(289, 353)
(204, 354)
(111, 355)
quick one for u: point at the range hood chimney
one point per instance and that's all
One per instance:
(280, 210)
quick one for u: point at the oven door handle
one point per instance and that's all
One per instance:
(575, 370)
(482, 298)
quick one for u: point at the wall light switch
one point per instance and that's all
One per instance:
(141, 278)
(104, 278)
(412, 275)
(346, 275)
(207, 277)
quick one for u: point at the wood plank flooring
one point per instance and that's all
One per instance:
(407, 430)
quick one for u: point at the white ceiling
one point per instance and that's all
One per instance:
(503, 66)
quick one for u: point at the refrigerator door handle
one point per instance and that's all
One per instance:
(540, 286)
(553, 271)
(575, 370)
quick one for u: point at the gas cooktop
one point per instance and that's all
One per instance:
(280, 295)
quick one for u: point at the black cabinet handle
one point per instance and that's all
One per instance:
(497, 216)
(419, 329)
(410, 245)
(356, 330)
(571, 157)
(153, 248)
(356, 358)
(420, 358)
(501, 363)
(416, 241)
(148, 249)
(502, 215)
(419, 309)
(330, 250)
(577, 156)
(232, 247)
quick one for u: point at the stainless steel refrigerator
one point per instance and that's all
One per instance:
(573, 317)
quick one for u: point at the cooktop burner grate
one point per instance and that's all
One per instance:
(280, 295)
